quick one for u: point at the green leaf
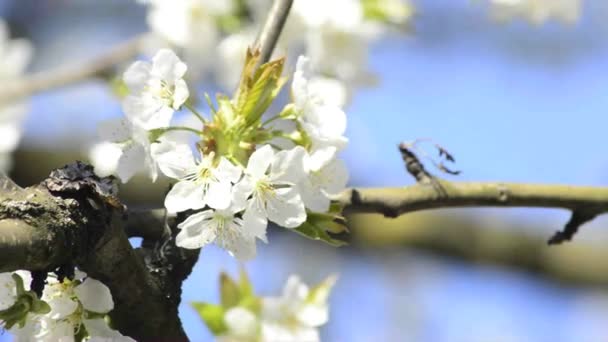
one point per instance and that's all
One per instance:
(230, 292)
(212, 315)
(258, 87)
(318, 230)
(245, 284)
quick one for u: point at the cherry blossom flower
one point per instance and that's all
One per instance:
(297, 314)
(321, 183)
(158, 89)
(325, 123)
(201, 183)
(137, 153)
(242, 325)
(268, 183)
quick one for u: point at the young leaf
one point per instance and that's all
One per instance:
(212, 315)
(230, 294)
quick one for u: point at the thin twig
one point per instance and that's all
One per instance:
(271, 31)
(70, 74)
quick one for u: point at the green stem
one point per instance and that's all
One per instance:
(181, 128)
(271, 120)
(195, 112)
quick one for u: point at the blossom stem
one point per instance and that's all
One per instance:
(274, 118)
(181, 128)
(195, 112)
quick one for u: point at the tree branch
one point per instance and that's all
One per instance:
(584, 202)
(70, 74)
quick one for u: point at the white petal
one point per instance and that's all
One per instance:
(61, 306)
(228, 171)
(219, 195)
(94, 296)
(168, 66)
(241, 247)
(260, 161)
(104, 157)
(333, 121)
(295, 291)
(286, 208)
(313, 315)
(241, 322)
(100, 331)
(255, 223)
(335, 176)
(312, 196)
(115, 130)
(137, 75)
(183, 196)
(180, 94)
(197, 231)
(288, 165)
(131, 161)
(174, 160)
(329, 90)
(147, 111)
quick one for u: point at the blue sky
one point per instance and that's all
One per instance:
(512, 102)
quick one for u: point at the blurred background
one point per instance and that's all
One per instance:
(512, 100)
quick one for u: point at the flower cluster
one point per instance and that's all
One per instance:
(69, 310)
(537, 11)
(15, 55)
(244, 172)
(295, 316)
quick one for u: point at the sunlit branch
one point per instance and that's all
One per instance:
(72, 73)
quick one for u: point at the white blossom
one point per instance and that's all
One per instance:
(201, 183)
(223, 227)
(269, 183)
(70, 303)
(192, 26)
(242, 326)
(321, 183)
(138, 153)
(157, 90)
(324, 122)
(297, 314)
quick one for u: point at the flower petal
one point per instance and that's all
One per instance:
(197, 231)
(259, 161)
(137, 75)
(180, 94)
(94, 296)
(115, 130)
(219, 195)
(174, 160)
(183, 196)
(131, 161)
(241, 322)
(286, 208)
(167, 66)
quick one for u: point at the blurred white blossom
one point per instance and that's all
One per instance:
(15, 55)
